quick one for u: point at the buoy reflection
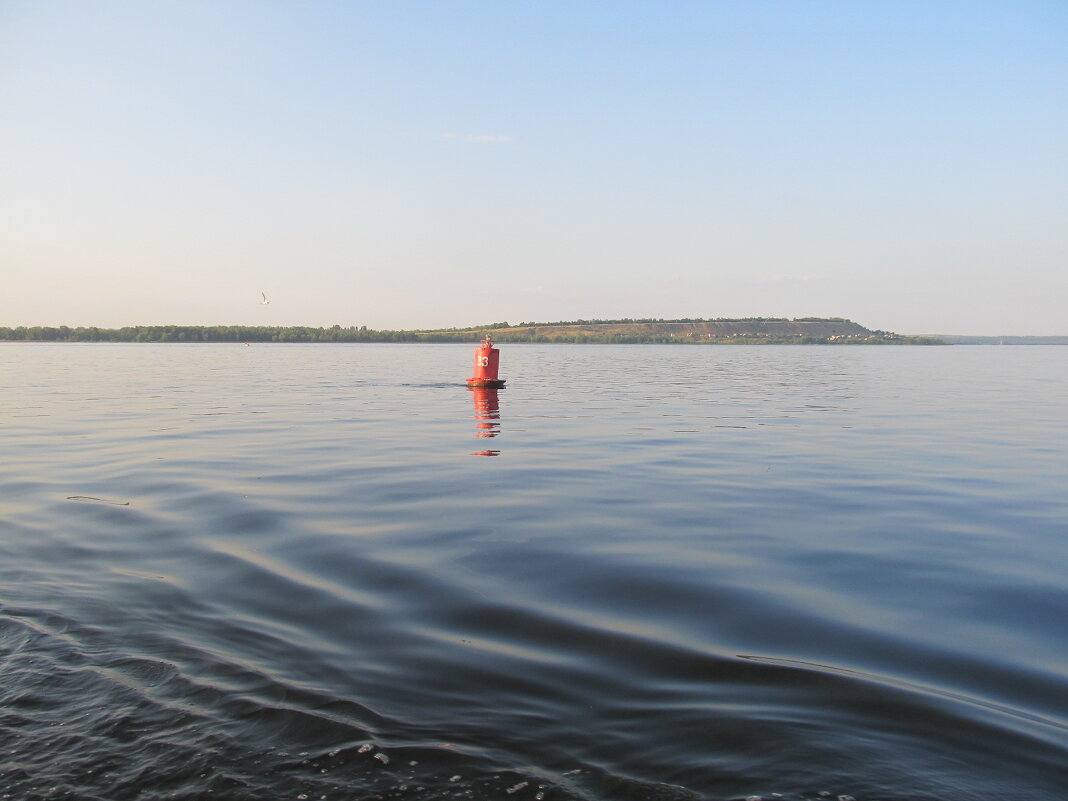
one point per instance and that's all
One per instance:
(487, 417)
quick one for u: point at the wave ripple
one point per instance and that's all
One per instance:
(695, 574)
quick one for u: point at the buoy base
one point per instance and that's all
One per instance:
(485, 383)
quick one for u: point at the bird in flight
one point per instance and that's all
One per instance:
(264, 302)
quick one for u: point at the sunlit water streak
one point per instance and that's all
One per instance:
(283, 571)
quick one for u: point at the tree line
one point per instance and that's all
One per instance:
(204, 333)
(240, 333)
(336, 333)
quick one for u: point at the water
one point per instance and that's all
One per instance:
(287, 572)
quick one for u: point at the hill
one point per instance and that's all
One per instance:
(751, 331)
(747, 331)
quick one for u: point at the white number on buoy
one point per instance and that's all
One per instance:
(483, 361)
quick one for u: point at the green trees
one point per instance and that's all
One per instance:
(751, 331)
(200, 333)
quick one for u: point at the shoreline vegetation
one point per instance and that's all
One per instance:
(721, 331)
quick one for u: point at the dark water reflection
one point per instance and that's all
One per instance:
(691, 573)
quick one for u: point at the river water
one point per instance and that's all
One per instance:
(638, 572)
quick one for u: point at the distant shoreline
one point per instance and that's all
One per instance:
(722, 331)
(960, 339)
(753, 331)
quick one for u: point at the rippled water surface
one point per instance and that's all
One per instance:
(639, 572)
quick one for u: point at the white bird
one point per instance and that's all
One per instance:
(264, 302)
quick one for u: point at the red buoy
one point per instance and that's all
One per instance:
(487, 360)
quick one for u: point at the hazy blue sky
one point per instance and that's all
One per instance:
(400, 164)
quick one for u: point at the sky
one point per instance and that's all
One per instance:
(430, 163)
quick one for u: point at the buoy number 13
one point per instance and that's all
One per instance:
(483, 361)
